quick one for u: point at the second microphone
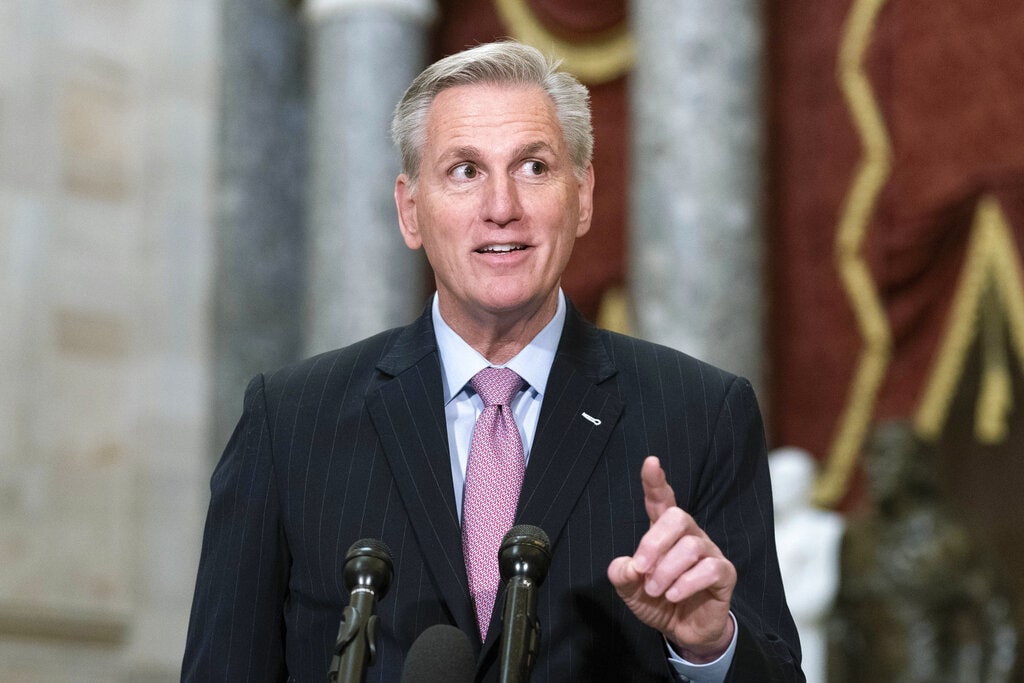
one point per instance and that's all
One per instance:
(523, 560)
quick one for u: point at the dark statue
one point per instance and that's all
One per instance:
(919, 599)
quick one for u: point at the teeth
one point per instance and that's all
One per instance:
(501, 248)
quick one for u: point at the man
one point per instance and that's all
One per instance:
(660, 569)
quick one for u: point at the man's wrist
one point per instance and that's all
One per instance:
(705, 654)
(713, 672)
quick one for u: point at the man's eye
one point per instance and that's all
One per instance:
(534, 167)
(464, 171)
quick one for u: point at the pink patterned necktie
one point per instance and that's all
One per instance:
(494, 475)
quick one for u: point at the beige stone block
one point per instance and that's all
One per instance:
(70, 572)
(90, 333)
(91, 479)
(94, 119)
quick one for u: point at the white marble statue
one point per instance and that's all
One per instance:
(809, 540)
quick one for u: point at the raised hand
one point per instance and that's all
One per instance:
(677, 581)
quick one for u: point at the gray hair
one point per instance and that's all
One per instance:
(505, 62)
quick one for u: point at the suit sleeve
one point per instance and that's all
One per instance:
(236, 629)
(735, 509)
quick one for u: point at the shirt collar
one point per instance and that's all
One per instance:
(460, 361)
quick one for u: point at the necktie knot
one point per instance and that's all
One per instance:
(496, 386)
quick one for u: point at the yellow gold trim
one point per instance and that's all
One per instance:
(614, 313)
(872, 323)
(995, 399)
(593, 61)
(991, 286)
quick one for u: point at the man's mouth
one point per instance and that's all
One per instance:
(500, 248)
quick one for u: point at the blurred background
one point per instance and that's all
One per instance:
(826, 196)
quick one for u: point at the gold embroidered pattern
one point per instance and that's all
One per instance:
(872, 323)
(597, 60)
(989, 293)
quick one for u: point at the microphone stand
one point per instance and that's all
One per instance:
(523, 561)
(367, 572)
(521, 635)
(355, 647)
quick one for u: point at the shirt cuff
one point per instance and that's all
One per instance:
(712, 672)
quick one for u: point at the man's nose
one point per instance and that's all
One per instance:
(502, 205)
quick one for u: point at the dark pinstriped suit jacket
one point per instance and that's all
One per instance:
(353, 444)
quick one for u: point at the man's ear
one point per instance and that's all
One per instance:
(585, 188)
(405, 201)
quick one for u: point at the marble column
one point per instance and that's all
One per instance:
(362, 278)
(259, 281)
(695, 266)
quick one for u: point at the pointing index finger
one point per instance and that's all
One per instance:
(658, 495)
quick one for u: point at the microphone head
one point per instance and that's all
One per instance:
(525, 551)
(368, 564)
(441, 654)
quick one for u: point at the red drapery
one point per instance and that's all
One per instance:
(897, 216)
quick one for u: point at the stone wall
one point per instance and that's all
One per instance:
(107, 119)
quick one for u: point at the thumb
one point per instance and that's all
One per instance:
(624, 576)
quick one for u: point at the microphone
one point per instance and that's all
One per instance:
(523, 560)
(441, 654)
(367, 572)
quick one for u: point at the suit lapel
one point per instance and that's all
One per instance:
(408, 413)
(576, 421)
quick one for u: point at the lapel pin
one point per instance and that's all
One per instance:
(596, 422)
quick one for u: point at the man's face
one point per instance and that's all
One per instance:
(496, 206)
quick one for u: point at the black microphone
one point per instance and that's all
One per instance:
(367, 574)
(441, 654)
(523, 560)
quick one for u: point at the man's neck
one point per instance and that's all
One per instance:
(499, 337)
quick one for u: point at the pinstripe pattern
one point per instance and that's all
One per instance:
(352, 444)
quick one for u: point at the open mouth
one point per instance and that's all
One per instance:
(501, 249)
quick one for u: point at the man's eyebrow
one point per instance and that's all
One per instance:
(465, 152)
(532, 148)
(472, 153)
